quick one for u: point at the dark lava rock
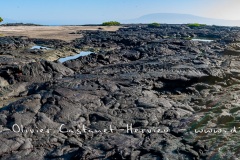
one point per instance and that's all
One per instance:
(142, 97)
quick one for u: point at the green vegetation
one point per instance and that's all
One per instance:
(196, 25)
(155, 24)
(111, 23)
(1, 19)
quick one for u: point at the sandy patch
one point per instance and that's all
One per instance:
(50, 32)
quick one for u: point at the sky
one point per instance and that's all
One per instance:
(97, 11)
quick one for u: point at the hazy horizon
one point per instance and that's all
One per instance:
(94, 11)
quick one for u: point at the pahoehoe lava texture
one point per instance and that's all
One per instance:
(154, 81)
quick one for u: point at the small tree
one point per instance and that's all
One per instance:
(155, 24)
(196, 25)
(111, 23)
(1, 19)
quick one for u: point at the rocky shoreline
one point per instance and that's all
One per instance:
(146, 93)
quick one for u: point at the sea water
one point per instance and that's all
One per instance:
(85, 53)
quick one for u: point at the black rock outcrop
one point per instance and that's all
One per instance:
(146, 93)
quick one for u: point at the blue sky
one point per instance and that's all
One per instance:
(96, 11)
